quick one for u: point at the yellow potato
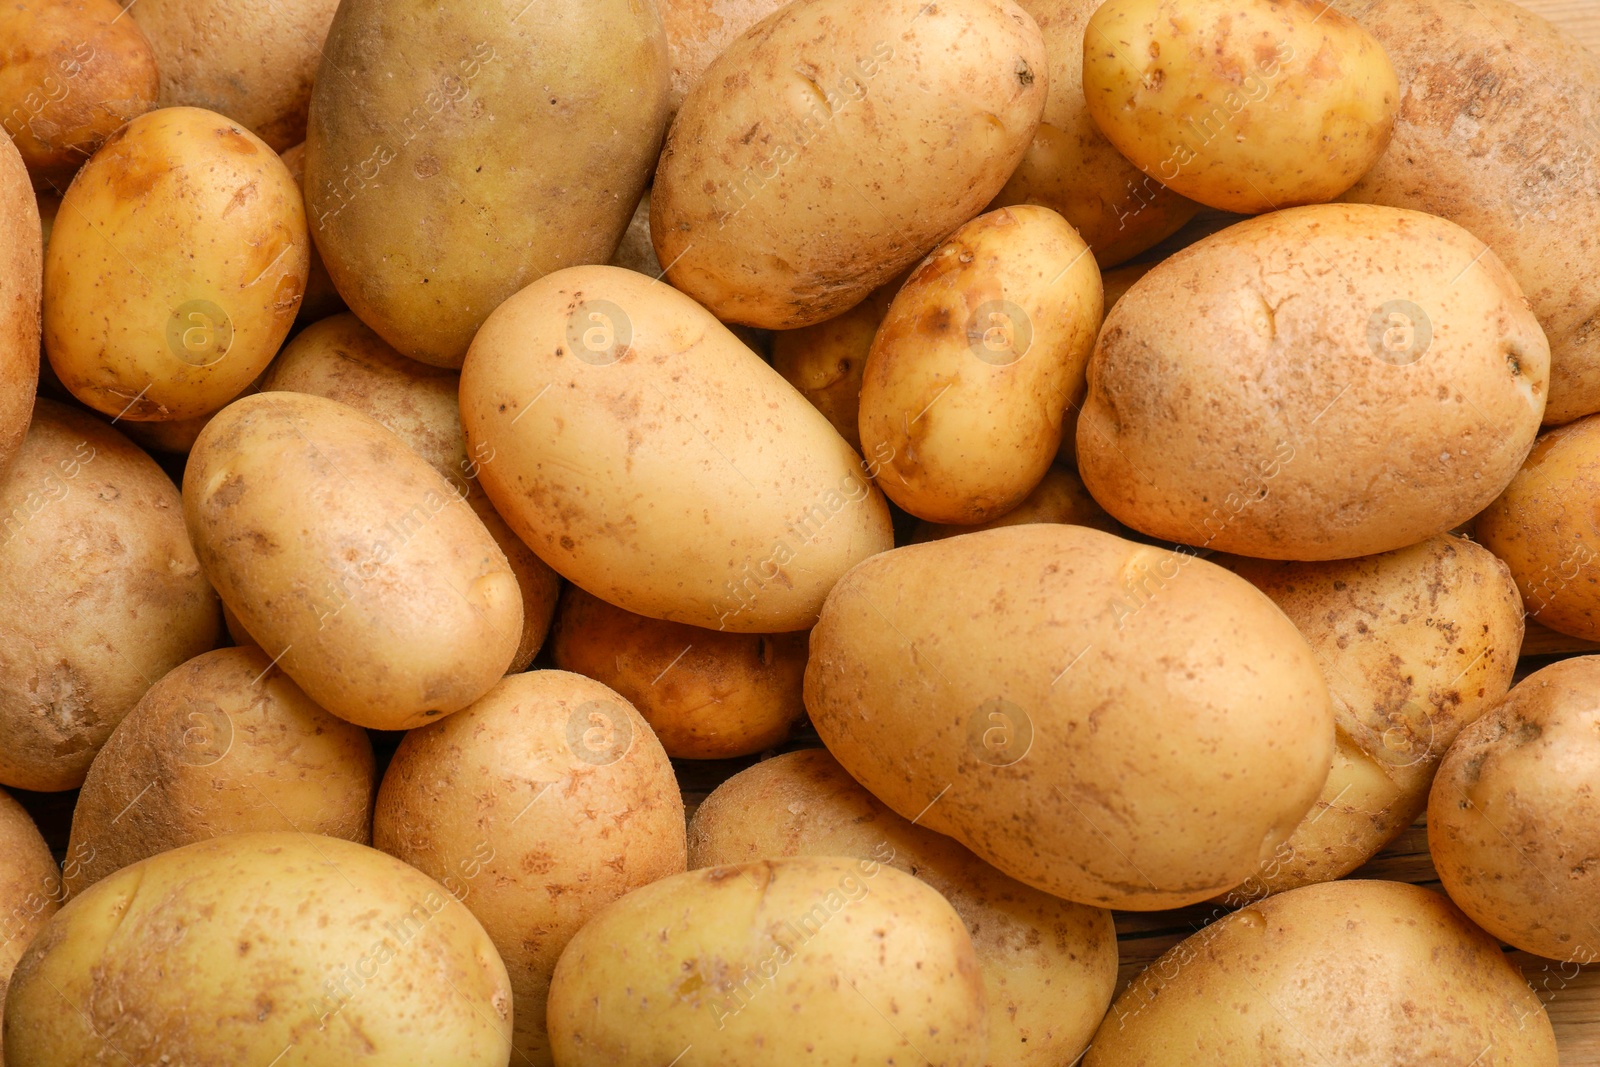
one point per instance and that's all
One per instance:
(20, 271)
(825, 362)
(30, 887)
(320, 299)
(698, 31)
(1059, 497)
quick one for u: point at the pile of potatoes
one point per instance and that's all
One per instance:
(1133, 436)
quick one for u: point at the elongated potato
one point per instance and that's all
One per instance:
(30, 888)
(21, 266)
(1059, 497)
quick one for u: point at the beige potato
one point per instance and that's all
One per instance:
(30, 888)
(698, 31)
(826, 362)
(603, 817)
(20, 272)
(670, 471)
(350, 560)
(321, 299)
(100, 594)
(1060, 497)
(1049, 966)
(1249, 397)
(818, 960)
(820, 122)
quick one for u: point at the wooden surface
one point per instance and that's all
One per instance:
(1580, 18)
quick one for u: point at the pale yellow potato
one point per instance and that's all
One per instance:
(706, 694)
(315, 950)
(652, 459)
(822, 961)
(971, 373)
(536, 807)
(1318, 383)
(30, 888)
(175, 267)
(350, 560)
(21, 269)
(321, 299)
(698, 31)
(1059, 497)
(1049, 966)
(1111, 723)
(820, 123)
(100, 594)
(236, 747)
(825, 362)
(1243, 105)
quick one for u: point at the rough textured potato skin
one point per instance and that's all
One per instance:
(232, 950)
(1060, 497)
(1247, 397)
(101, 594)
(827, 361)
(237, 747)
(853, 945)
(1051, 634)
(1514, 817)
(599, 823)
(849, 121)
(21, 267)
(1358, 973)
(30, 888)
(321, 299)
(1049, 966)
(1497, 132)
(698, 31)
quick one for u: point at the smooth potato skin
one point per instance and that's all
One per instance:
(21, 270)
(698, 31)
(30, 888)
(827, 361)
(819, 122)
(1059, 497)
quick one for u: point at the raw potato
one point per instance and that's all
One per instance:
(1060, 497)
(670, 471)
(1244, 106)
(972, 371)
(1415, 644)
(175, 267)
(239, 948)
(519, 146)
(1249, 397)
(698, 31)
(706, 694)
(1358, 973)
(817, 960)
(1112, 723)
(820, 122)
(1049, 966)
(603, 818)
(321, 299)
(100, 594)
(826, 362)
(1497, 132)
(21, 244)
(634, 251)
(1514, 818)
(350, 560)
(30, 888)
(237, 747)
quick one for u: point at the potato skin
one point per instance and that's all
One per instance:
(698, 31)
(695, 959)
(1059, 497)
(321, 299)
(1358, 973)
(1514, 817)
(30, 888)
(816, 101)
(1209, 421)
(605, 817)
(826, 362)
(1029, 704)
(350, 559)
(1049, 966)
(100, 593)
(21, 271)
(238, 947)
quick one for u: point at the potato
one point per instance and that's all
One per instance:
(168, 438)
(342, 359)
(825, 362)
(237, 747)
(969, 422)
(321, 299)
(1116, 283)
(706, 694)
(1064, 691)
(30, 888)
(698, 31)
(819, 122)
(1247, 397)
(746, 964)
(604, 813)
(175, 267)
(71, 73)
(350, 560)
(1245, 106)
(1049, 967)
(1359, 973)
(100, 594)
(673, 473)
(1415, 644)
(1498, 132)
(20, 273)
(245, 947)
(425, 216)
(1060, 497)
(1514, 820)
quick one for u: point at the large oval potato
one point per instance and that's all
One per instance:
(1253, 398)
(1059, 497)
(821, 960)
(1049, 966)
(350, 560)
(818, 123)
(1065, 690)
(698, 31)
(522, 149)
(651, 458)
(21, 271)
(30, 888)
(314, 950)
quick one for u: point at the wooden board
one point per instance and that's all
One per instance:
(1580, 18)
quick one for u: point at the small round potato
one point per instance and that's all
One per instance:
(827, 361)
(1060, 497)
(237, 747)
(30, 888)
(21, 244)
